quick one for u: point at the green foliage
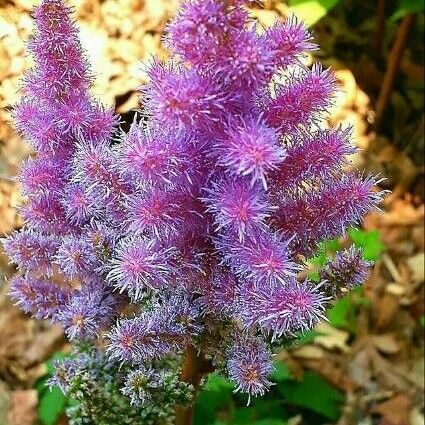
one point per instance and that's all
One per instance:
(215, 395)
(51, 406)
(313, 393)
(326, 249)
(281, 372)
(407, 7)
(344, 312)
(311, 11)
(369, 241)
(52, 401)
(339, 314)
(216, 405)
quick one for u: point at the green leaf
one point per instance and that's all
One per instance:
(326, 249)
(52, 402)
(311, 11)
(217, 383)
(422, 321)
(281, 372)
(261, 411)
(306, 337)
(407, 7)
(216, 395)
(315, 394)
(369, 241)
(338, 314)
(343, 313)
(51, 406)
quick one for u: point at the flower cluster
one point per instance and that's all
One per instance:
(202, 215)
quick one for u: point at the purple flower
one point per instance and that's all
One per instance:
(182, 98)
(201, 28)
(154, 212)
(93, 168)
(76, 257)
(346, 271)
(288, 40)
(191, 228)
(303, 99)
(46, 214)
(324, 212)
(41, 176)
(166, 328)
(262, 257)
(244, 61)
(32, 251)
(87, 312)
(139, 264)
(148, 155)
(281, 309)
(249, 366)
(312, 156)
(79, 204)
(42, 298)
(238, 206)
(219, 293)
(250, 149)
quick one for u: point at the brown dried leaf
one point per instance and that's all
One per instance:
(395, 411)
(332, 338)
(23, 407)
(4, 404)
(417, 266)
(386, 343)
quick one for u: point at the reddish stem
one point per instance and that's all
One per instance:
(195, 366)
(380, 26)
(393, 65)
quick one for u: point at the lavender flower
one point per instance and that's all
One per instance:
(262, 257)
(249, 367)
(138, 264)
(32, 251)
(238, 207)
(251, 149)
(288, 40)
(76, 257)
(301, 101)
(87, 312)
(278, 309)
(152, 336)
(42, 298)
(346, 271)
(182, 97)
(190, 229)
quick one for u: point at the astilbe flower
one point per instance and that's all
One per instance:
(191, 228)
(346, 271)
(43, 298)
(251, 149)
(249, 366)
(281, 309)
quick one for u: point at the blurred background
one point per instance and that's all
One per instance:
(366, 365)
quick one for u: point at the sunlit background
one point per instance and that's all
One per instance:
(365, 366)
